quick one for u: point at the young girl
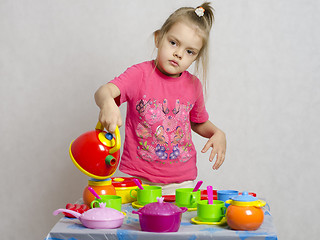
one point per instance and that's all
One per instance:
(164, 102)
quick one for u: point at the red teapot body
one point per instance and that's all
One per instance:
(96, 153)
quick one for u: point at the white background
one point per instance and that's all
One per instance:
(264, 93)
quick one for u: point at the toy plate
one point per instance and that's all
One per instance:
(136, 205)
(197, 221)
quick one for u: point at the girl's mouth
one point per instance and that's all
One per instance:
(174, 63)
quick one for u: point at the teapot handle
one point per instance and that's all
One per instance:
(117, 138)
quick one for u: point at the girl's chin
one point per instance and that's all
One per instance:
(167, 72)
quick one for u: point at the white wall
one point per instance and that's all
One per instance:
(264, 93)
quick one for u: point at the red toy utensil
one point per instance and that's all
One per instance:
(210, 194)
(136, 181)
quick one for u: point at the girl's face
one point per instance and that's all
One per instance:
(178, 49)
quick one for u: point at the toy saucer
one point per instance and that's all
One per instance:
(197, 221)
(124, 213)
(136, 205)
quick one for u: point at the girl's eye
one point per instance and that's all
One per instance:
(190, 52)
(173, 43)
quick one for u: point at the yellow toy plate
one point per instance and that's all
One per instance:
(136, 205)
(197, 221)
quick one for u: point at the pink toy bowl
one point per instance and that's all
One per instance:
(160, 216)
(99, 218)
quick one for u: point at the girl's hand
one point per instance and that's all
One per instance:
(110, 117)
(218, 143)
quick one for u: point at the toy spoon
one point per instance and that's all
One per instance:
(94, 193)
(196, 188)
(210, 194)
(136, 181)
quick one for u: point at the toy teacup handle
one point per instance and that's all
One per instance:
(131, 193)
(117, 138)
(193, 199)
(93, 202)
(223, 211)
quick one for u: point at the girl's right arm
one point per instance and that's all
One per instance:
(109, 116)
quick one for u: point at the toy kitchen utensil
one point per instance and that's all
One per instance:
(111, 201)
(93, 192)
(160, 216)
(123, 186)
(96, 153)
(210, 194)
(196, 188)
(101, 187)
(136, 181)
(148, 195)
(185, 197)
(100, 218)
(245, 212)
(213, 212)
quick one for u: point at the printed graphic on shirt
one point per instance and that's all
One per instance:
(164, 134)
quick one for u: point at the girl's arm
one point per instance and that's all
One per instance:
(217, 140)
(109, 116)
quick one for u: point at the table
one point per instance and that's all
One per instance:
(72, 229)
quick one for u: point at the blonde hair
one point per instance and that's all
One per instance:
(204, 24)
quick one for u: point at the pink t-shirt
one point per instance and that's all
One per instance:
(158, 144)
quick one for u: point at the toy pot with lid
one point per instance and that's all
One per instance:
(96, 153)
(100, 218)
(245, 212)
(160, 216)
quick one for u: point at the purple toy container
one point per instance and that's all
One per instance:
(160, 216)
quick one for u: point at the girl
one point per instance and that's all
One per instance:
(164, 102)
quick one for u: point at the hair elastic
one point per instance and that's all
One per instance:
(199, 11)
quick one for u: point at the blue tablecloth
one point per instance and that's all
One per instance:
(72, 229)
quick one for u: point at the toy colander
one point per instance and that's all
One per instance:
(96, 153)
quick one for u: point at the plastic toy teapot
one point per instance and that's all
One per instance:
(96, 153)
(245, 212)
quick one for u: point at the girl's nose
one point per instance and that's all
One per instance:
(177, 54)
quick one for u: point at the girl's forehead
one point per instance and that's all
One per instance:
(188, 33)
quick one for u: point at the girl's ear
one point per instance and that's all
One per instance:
(156, 38)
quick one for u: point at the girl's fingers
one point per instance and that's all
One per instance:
(212, 154)
(219, 161)
(206, 147)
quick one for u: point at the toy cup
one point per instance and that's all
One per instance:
(111, 201)
(185, 197)
(224, 195)
(147, 195)
(211, 212)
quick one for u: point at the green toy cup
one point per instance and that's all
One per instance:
(111, 201)
(147, 195)
(211, 212)
(185, 197)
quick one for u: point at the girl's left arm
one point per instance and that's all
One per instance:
(217, 140)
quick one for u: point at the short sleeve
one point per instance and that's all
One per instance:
(128, 83)
(198, 113)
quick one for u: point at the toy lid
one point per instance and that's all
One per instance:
(102, 213)
(124, 182)
(244, 197)
(99, 182)
(161, 208)
(246, 200)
